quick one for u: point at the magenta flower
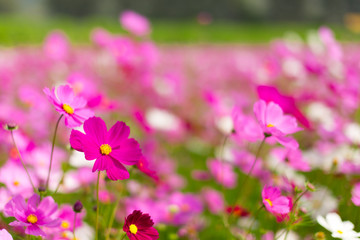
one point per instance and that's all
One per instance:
(274, 202)
(71, 106)
(111, 149)
(33, 214)
(139, 226)
(275, 124)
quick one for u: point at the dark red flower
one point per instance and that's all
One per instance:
(138, 226)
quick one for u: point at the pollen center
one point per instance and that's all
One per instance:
(105, 149)
(16, 183)
(32, 218)
(133, 228)
(68, 109)
(270, 125)
(269, 202)
(65, 224)
(339, 231)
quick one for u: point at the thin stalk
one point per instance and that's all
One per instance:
(249, 173)
(74, 225)
(52, 151)
(22, 161)
(256, 158)
(97, 206)
(123, 236)
(255, 216)
(224, 218)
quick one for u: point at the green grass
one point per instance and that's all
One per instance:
(16, 30)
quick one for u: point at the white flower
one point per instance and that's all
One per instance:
(337, 227)
(320, 202)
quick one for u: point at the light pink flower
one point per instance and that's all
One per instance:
(135, 23)
(223, 173)
(356, 194)
(275, 124)
(33, 214)
(4, 235)
(71, 106)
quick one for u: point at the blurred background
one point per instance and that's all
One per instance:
(247, 21)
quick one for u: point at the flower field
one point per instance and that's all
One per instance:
(125, 138)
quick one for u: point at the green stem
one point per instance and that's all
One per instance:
(249, 173)
(22, 161)
(123, 236)
(112, 217)
(224, 218)
(74, 225)
(252, 223)
(52, 151)
(97, 206)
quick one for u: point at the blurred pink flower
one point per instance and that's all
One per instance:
(5, 235)
(33, 214)
(66, 103)
(135, 23)
(275, 124)
(57, 46)
(111, 149)
(214, 200)
(223, 173)
(293, 157)
(356, 194)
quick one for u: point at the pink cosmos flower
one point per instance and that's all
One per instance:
(66, 215)
(356, 194)
(274, 202)
(111, 149)
(223, 173)
(275, 124)
(4, 235)
(71, 106)
(135, 23)
(293, 157)
(33, 214)
(287, 103)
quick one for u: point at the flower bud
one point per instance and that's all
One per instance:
(310, 187)
(78, 206)
(320, 236)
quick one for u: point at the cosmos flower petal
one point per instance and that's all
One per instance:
(96, 128)
(101, 163)
(47, 206)
(34, 230)
(129, 153)
(118, 133)
(116, 171)
(65, 94)
(72, 122)
(34, 201)
(77, 140)
(91, 149)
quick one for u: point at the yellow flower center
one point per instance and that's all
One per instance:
(133, 228)
(32, 218)
(16, 183)
(270, 125)
(68, 109)
(105, 149)
(339, 231)
(269, 202)
(65, 224)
